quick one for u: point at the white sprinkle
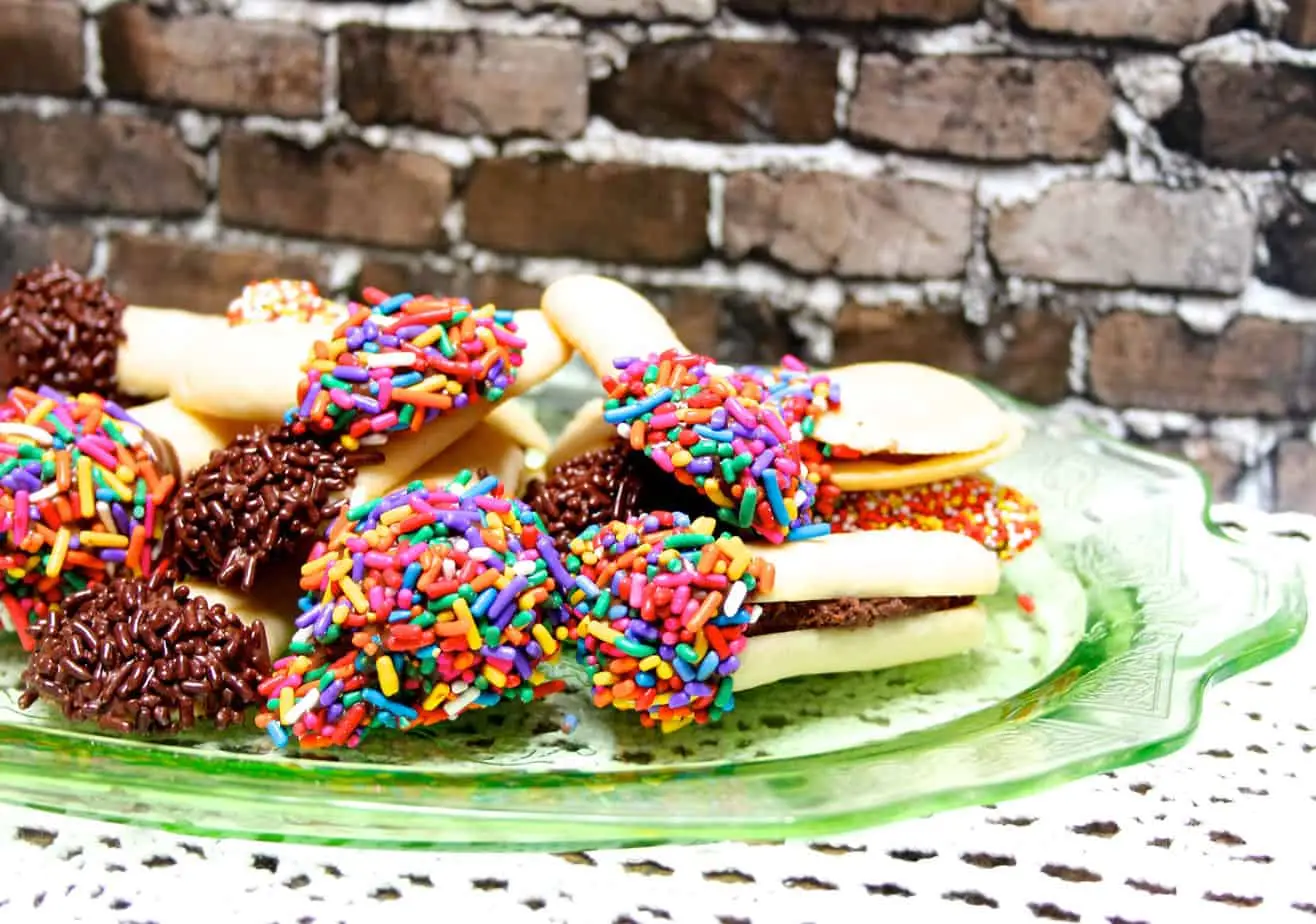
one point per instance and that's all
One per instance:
(624, 430)
(755, 612)
(103, 511)
(46, 494)
(449, 568)
(524, 568)
(303, 706)
(35, 434)
(459, 686)
(461, 702)
(482, 554)
(374, 439)
(389, 360)
(735, 597)
(461, 545)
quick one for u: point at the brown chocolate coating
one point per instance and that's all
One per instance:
(605, 485)
(266, 495)
(62, 330)
(144, 656)
(847, 612)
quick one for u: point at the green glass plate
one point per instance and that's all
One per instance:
(1103, 637)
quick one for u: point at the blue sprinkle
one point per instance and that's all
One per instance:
(707, 666)
(645, 679)
(686, 672)
(399, 616)
(569, 723)
(481, 487)
(638, 409)
(379, 700)
(277, 734)
(411, 575)
(720, 436)
(811, 531)
(484, 601)
(394, 304)
(775, 500)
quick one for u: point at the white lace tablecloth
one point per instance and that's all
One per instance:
(1224, 829)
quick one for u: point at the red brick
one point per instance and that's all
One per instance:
(1034, 364)
(1295, 477)
(165, 273)
(80, 162)
(623, 213)
(828, 223)
(41, 47)
(25, 247)
(724, 91)
(342, 190)
(986, 108)
(505, 291)
(464, 84)
(1300, 24)
(212, 62)
(1255, 367)
(1107, 233)
(1246, 116)
(937, 12)
(1168, 22)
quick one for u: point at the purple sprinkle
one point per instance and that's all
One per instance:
(533, 650)
(367, 404)
(523, 666)
(351, 374)
(355, 340)
(311, 394)
(760, 465)
(554, 563)
(115, 555)
(679, 700)
(310, 616)
(698, 689)
(331, 693)
(729, 666)
(701, 466)
(409, 331)
(334, 714)
(121, 518)
(370, 330)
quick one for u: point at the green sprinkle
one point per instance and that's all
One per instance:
(728, 471)
(31, 452)
(687, 653)
(523, 619)
(724, 699)
(602, 605)
(650, 375)
(8, 466)
(445, 345)
(329, 381)
(481, 683)
(688, 541)
(425, 620)
(807, 426)
(539, 577)
(635, 649)
(75, 580)
(405, 415)
(492, 636)
(704, 448)
(113, 430)
(351, 699)
(747, 505)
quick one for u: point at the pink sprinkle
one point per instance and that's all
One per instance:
(384, 421)
(663, 421)
(289, 681)
(21, 512)
(788, 467)
(376, 599)
(341, 398)
(148, 521)
(793, 363)
(662, 460)
(96, 452)
(404, 599)
(776, 425)
(681, 597)
(385, 389)
(667, 579)
(496, 504)
(507, 338)
(637, 591)
(377, 560)
(737, 410)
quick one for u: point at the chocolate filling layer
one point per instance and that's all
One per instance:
(604, 485)
(847, 612)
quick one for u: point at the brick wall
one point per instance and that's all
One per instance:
(1107, 203)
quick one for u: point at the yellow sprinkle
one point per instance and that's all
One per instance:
(300, 666)
(714, 493)
(453, 388)
(667, 556)
(350, 442)
(55, 563)
(340, 614)
(115, 485)
(649, 663)
(388, 677)
(86, 493)
(430, 336)
(720, 566)
(603, 632)
(473, 639)
(125, 474)
(662, 699)
(704, 526)
(285, 702)
(604, 679)
(545, 639)
(352, 591)
(495, 677)
(664, 670)
(562, 633)
(701, 645)
(625, 705)
(317, 564)
(14, 574)
(340, 569)
(435, 697)
(463, 610)
(325, 365)
(396, 515)
(433, 383)
(671, 725)
(681, 458)
(527, 600)
(89, 539)
(39, 411)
